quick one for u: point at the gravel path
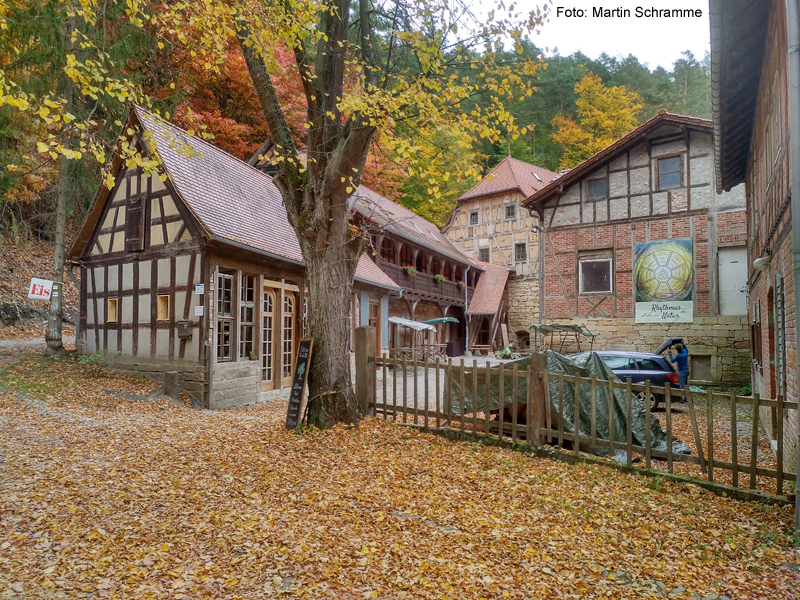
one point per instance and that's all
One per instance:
(14, 349)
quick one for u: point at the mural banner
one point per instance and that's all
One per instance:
(663, 277)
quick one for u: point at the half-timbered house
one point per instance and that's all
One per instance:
(436, 279)
(490, 224)
(194, 269)
(637, 246)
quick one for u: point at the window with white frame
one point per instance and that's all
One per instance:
(224, 317)
(595, 275)
(247, 316)
(511, 211)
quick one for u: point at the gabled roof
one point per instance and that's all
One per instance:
(610, 152)
(230, 198)
(407, 224)
(488, 296)
(738, 39)
(511, 174)
(233, 202)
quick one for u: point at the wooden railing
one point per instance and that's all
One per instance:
(426, 284)
(722, 431)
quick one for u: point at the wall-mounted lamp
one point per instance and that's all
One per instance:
(762, 263)
(537, 228)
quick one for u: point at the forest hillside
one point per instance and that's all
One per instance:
(551, 123)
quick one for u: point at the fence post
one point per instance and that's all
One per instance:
(538, 394)
(365, 346)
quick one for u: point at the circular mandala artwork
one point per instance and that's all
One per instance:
(664, 272)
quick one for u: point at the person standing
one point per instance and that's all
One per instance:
(682, 360)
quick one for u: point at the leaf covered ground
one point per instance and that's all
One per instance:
(105, 497)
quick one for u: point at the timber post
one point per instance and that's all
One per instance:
(538, 395)
(365, 347)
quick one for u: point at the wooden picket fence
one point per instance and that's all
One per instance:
(728, 446)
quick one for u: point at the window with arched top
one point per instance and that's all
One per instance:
(288, 335)
(268, 338)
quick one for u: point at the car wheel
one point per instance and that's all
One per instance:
(654, 399)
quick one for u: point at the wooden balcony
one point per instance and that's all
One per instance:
(426, 285)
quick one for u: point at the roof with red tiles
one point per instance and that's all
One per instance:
(368, 272)
(488, 296)
(567, 178)
(403, 222)
(511, 174)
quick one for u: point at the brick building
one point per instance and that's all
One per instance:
(490, 225)
(636, 246)
(752, 98)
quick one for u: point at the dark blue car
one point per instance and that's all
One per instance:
(639, 367)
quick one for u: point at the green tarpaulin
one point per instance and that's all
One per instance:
(590, 365)
(440, 320)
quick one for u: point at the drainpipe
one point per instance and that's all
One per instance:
(540, 239)
(466, 308)
(793, 39)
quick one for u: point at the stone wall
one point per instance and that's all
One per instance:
(191, 375)
(718, 346)
(523, 308)
(235, 383)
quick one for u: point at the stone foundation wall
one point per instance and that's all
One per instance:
(719, 347)
(523, 307)
(191, 375)
(235, 383)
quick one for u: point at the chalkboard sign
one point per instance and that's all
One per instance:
(299, 382)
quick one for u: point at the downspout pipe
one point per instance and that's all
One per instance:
(466, 308)
(793, 43)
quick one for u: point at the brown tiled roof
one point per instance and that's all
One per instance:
(407, 224)
(511, 174)
(231, 200)
(368, 272)
(586, 167)
(488, 296)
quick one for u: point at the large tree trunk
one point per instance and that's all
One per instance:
(316, 198)
(330, 276)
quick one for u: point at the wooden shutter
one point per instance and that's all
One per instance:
(134, 224)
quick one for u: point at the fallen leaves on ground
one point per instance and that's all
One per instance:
(104, 497)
